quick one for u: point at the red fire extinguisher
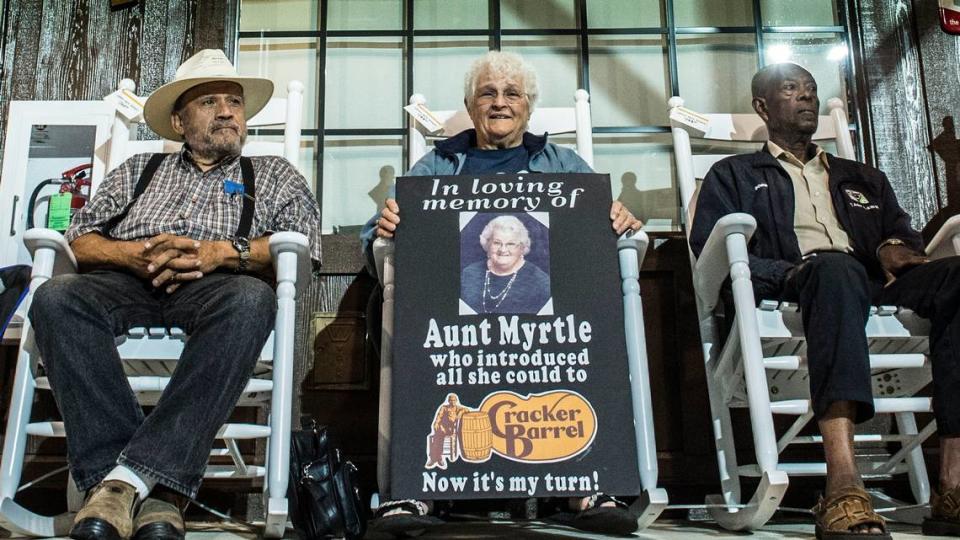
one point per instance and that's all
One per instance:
(950, 16)
(73, 194)
(77, 180)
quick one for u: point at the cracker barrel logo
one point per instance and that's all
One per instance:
(537, 428)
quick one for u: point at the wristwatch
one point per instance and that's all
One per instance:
(242, 245)
(889, 242)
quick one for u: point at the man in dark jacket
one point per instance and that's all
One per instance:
(832, 237)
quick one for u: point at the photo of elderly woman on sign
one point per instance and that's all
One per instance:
(505, 281)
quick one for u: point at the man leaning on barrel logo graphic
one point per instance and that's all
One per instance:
(442, 443)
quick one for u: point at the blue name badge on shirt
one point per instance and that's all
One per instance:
(232, 188)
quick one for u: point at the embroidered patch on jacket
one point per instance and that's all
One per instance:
(859, 200)
(856, 196)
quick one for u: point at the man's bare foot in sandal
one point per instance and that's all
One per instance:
(944, 517)
(845, 511)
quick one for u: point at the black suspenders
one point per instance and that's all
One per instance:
(249, 195)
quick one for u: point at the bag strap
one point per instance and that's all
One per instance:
(249, 198)
(145, 177)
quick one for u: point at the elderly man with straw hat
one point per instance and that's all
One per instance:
(175, 240)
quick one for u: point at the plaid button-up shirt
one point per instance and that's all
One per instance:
(185, 201)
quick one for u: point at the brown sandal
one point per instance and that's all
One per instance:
(848, 508)
(944, 517)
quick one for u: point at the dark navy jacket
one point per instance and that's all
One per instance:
(756, 184)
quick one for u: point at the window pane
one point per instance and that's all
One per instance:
(715, 71)
(539, 14)
(555, 59)
(628, 81)
(624, 13)
(713, 13)
(283, 60)
(439, 65)
(823, 55)
(307, 161)
(450, 14)
(641, 176)
(357, 172)
(269, 15)
(364, 79)
(364, 14)
(799, 12)
(725, 148)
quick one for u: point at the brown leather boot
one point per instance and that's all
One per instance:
(161, 516)
(107, 514)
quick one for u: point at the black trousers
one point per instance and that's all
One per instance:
(835, 294)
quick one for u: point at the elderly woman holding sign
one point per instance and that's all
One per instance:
(500, 92)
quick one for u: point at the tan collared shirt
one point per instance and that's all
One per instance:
(814, 218)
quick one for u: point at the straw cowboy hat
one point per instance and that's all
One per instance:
(206, 66)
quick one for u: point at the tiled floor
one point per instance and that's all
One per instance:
(661, 530)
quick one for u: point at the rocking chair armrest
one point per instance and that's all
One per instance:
(383, 257)
(51, 253)
(713, 265)
(637, 240)
(299, 267)
(946, 242)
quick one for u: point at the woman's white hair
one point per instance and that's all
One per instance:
(509, 224)
(503, 64)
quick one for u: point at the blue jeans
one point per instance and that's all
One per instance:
(76, 318)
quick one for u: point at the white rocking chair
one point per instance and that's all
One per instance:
(150, 354)
(762, 364)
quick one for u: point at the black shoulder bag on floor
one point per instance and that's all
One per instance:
(324, 499)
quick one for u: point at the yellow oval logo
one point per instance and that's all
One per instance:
(539, 428)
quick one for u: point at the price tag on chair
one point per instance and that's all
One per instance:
(425, 117)
(693, 122)
(126, 102)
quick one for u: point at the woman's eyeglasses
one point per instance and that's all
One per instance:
(509, 246)
(489, 95)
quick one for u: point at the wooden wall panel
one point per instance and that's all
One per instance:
(889, 62)
(940, 63)
(910, 88)
(350, 410)
(681, 409)
(80, 49)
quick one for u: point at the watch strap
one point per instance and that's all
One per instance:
(242, 245)
(889, 242)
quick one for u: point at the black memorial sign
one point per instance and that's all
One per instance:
(510, 376)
